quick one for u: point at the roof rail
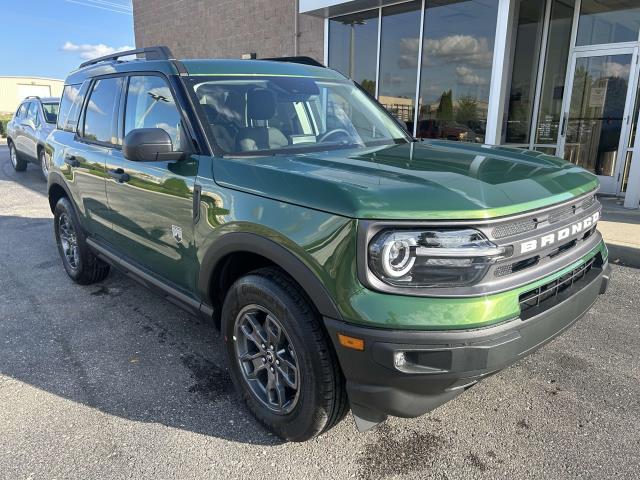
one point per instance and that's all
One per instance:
(149, 53)
(32, 96)
(302, 60)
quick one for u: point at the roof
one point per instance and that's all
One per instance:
(205, 67)
(258, 68)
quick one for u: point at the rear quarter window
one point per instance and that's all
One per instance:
(70, 106)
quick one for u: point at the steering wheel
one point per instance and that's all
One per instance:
(335, 131)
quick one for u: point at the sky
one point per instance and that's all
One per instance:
(49, 38)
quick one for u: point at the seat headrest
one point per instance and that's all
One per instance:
(261, 104)
(210, 112)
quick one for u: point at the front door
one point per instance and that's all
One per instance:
(151, 203)
(597, 110)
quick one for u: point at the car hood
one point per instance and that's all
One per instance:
(421, 180)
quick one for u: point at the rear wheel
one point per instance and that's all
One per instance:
(19, 164)
(280, 358)
(81, 264)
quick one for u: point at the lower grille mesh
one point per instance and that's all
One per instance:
(538, 300)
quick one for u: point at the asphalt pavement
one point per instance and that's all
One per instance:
(111, 381)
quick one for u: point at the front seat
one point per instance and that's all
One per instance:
(261, 106)
(225, 139)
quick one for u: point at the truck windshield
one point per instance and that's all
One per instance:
(277, 114)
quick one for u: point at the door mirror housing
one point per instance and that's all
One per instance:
(149, 145)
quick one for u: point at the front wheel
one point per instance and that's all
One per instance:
(19, 164)
(44, 165)
(81, 264)
(280, 358)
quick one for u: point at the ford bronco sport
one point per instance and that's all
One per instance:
(347, 264)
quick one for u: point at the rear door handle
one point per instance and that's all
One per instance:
(119, 175)
(71, 160)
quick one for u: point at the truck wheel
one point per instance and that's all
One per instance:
(19, 164)
(280, 358)
(81, 264)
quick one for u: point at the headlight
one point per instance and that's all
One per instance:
(432, 257)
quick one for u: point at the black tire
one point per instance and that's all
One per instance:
(18, 163)
(81, 264)
(44, 166)
(321, 399)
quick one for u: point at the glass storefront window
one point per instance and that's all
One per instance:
(399, 42)
(353, 45)
(555, 70)
(608, 22)
(456, 69)
(530, 14)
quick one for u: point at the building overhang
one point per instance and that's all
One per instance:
(331, 8)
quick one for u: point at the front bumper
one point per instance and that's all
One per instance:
(408, 373)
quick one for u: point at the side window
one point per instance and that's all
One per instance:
(100, 111)
(22, 110)
(151, 105)
(70, 104)
(32, 114)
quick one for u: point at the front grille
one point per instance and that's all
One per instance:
(562, 214)
(544, 297)
(516, 228)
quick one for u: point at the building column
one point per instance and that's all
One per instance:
(500, 71)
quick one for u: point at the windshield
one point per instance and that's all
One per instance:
(50, 112)
(278, 114)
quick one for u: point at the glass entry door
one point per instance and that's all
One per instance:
(596, 121)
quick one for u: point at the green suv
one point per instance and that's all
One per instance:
(348, 265)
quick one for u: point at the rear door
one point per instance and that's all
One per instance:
(151, 203)
(92, 147)
(30, 127)
(18, 127)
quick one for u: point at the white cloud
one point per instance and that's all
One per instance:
(88, 51)
(467, 76)
(461, 48)
(615, 69)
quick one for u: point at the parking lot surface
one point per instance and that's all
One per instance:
(111, 381)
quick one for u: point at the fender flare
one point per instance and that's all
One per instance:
(56, 179)
(235, 242)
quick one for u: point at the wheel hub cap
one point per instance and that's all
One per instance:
(267, 360)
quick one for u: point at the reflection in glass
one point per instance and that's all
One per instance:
(400, 35)
(353, 45)
(555, 70)
(456, 69)
(546, 150)
(608, 22)
(525, 70)
(596, 112)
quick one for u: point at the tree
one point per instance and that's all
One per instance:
(445, 109)
(467, 112)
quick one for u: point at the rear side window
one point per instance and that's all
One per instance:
(22, 110)
(32, 114)
(70, 105)
(151, 105)
(101, 110)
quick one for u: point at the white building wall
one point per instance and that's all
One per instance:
(14, 89)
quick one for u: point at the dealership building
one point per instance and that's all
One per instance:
(555, 76)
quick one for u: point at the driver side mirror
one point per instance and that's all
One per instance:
(149, 145)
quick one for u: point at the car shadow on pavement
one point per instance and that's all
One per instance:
(112, 346)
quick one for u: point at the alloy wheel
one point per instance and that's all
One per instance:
(267, 359)
(68, 241)
(13, 155)
(43, 165)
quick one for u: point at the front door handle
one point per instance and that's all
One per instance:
(71, 160)
(119, 175)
